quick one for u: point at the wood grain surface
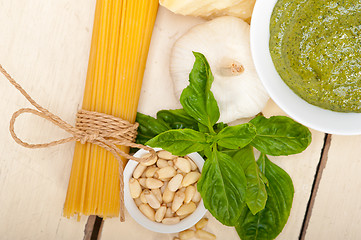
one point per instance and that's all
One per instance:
(44, 45)
(337, 210)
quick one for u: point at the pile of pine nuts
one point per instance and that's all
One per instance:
(198, 233)
(164, 188)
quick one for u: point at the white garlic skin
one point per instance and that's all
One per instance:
(223, 41)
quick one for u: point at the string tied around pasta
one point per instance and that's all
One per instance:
(101, 129)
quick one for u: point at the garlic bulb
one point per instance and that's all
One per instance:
(225, 43)
(211, 8)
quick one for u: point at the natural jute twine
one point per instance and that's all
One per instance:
(101, 129)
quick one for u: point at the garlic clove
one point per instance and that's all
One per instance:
(225, 42)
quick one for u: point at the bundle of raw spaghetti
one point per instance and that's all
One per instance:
(120, 42)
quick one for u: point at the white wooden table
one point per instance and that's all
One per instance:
(44, 45)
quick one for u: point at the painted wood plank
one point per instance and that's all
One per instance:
(157, 94)
(336, 212)
(316, 184)
(44, 45)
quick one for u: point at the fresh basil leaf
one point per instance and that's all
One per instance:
(216, 127)
(177, 119)
(149, 127)
(263, 178)
(208, 151)
(269, 222)
(256, 195)
(234, 137)
(219, 126)
(280, 135)
(202, 128)
(223, 187)
(197, 99)
(229, 152)
(261, 162)
(179, 141)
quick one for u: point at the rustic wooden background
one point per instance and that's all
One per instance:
(44, 45)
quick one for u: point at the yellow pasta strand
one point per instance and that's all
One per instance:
(121, 36)
(77, 166)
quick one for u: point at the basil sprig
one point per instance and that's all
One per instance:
(254, 196)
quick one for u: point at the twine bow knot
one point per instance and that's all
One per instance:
(97, 128)
(90, 136)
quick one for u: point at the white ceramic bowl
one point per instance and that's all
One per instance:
(143, 220)
(303, 112)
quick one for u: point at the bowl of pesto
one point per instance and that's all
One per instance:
(307, 54)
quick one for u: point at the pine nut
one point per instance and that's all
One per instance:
(166, 179)
(197, 197)
(138, 171)
(201, 234)
(147, 211)
(186, 234)
(190, 178)
(153, 183)
(190, 191)
(165, 155)
(171, 221)
(158, 194)
(138, 202)
(186, 209)
(142, 182)
(175, 182)
(182, 164)
(166, 172)
(170, 189)
(183, 216)
(193, 165)
(150, 161)
(168, 195)
(177, 201)
(134, 188)
(165, 184)
(151, 199)
(160, 213)
(150, 171)
(202, 223)
(142, 197)
(168, 213)
(161, 163)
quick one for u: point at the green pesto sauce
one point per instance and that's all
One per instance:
(316, 48)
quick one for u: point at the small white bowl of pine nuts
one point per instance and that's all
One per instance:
(161, 194)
